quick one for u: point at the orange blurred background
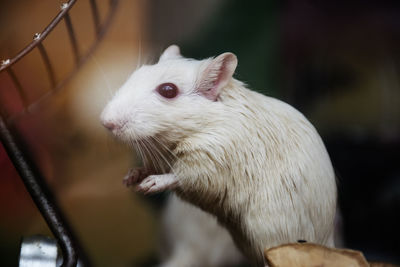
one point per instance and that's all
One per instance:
(83, 165)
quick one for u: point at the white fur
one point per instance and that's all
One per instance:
(194, 238)
(253, 161)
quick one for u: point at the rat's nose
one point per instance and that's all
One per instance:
(113, 125)
(109, 125)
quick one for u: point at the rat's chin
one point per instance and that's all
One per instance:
(129, 137)
(122, 135)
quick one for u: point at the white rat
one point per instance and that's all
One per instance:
(253, 161)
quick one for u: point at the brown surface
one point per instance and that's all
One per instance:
(382, 264)
(313, 255)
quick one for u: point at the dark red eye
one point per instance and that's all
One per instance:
(167, 90)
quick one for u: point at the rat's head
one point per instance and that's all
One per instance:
(171, 99)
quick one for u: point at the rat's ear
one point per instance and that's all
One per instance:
(216, 75)
(171, 52)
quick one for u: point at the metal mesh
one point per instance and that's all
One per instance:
(15, 145)
(6, 66)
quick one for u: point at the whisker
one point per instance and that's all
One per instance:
(166, 148)
(143, 155)
(157, 157)
(168, 151)
(139, 60)
(140, 152)
(149, 154)
(154, 153)
(161, 156)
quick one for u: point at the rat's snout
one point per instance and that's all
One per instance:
(112, 125)
(109, 125)
(109, 120)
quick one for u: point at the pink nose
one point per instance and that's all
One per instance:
(110, 125)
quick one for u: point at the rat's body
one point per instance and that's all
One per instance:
(192, 237)
(268, 185)
(253, 161)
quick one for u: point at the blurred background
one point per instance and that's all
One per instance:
(336, 61)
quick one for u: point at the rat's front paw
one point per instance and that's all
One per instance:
(135, 175)
(157, 183)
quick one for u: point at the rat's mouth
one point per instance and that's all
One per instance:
(114, 126)
(119, 131)
(154, 154)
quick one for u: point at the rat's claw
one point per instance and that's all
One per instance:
(130, 178)
(135, 176)
(146, 184)
(157, 183)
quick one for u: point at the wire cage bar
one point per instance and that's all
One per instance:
(15, 146)
(41, 195)
(46, 61)
(72, 37)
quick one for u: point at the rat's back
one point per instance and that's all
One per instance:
(263, 170)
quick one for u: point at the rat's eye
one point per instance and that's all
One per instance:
(167, 90)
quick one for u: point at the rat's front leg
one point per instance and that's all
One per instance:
(136, 175)
(157, 183)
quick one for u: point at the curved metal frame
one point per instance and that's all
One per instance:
(17, 149)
